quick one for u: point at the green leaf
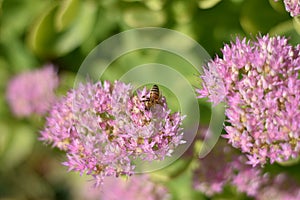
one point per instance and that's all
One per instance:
(183, 11)
(278, 6)
(80, 31)
(296, 23)
(4, 73)
(17, 15)
(206, 4)
(155, 4)
(289, 162)
(4, 137)
(181, 187)
(174, 170)
(107, 20)
(258, 17)
(66, 14)
(19, 57)
(4, 109)
(66, 82)
(46, 41)
(42, 35)
(142, 17)
(287, 29)
(19, 147)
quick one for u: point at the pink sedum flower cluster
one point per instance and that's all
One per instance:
(104, 127)
(280, 187)
(226, 167)
(292, 6)
(32, 92)
(139, 187)
(260, 85)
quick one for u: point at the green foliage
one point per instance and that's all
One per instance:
(62, 28)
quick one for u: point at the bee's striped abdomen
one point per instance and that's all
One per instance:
(154, 93)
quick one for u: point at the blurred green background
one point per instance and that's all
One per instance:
(63, 32)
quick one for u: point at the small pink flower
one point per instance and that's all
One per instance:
(32, 92)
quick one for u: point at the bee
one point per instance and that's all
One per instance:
(154, 98)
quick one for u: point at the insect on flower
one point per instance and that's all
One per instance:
(108, 114)
(154, 98)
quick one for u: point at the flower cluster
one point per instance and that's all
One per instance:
(104, 127)
(226, 167)
(32, 92)
(260, 85)
(280, 187)
(223, 166)
(292, 6)
(139, 187)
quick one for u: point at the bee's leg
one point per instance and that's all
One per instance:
(145, 99)
(148, 105)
